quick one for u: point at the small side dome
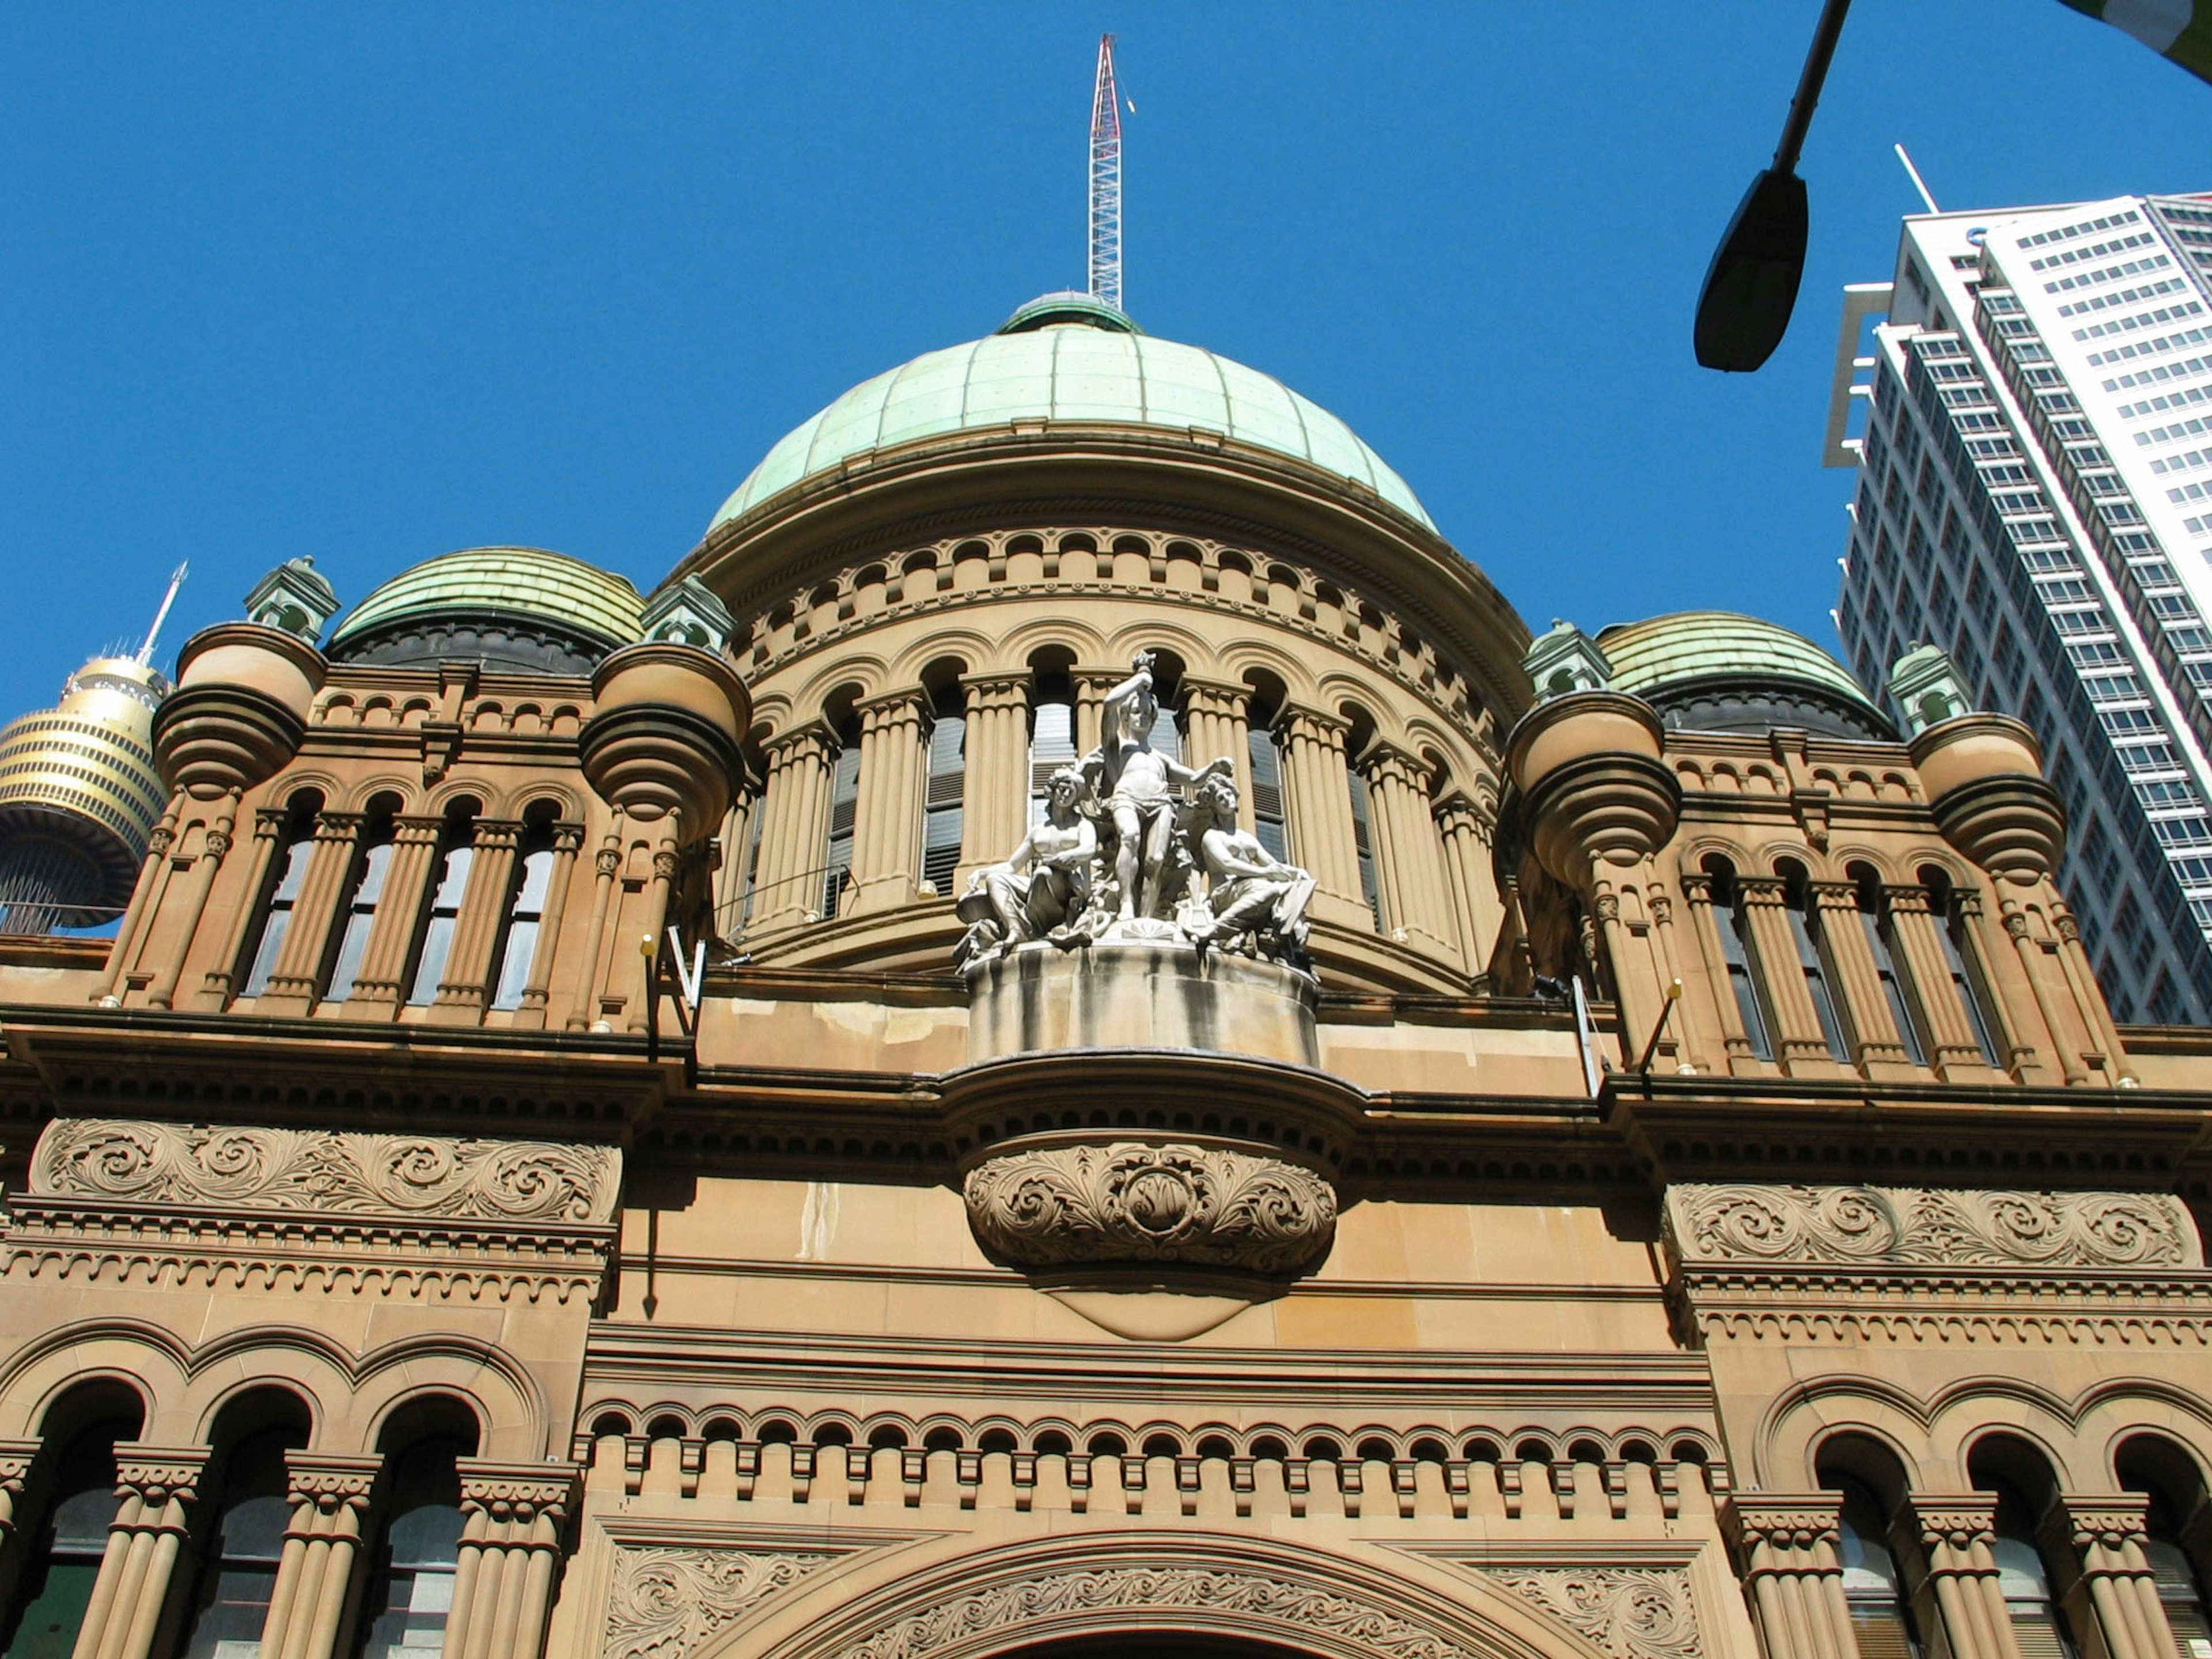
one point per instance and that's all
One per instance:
(517, 608)
(1715, 670)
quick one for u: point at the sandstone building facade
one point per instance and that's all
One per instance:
(525, 1178)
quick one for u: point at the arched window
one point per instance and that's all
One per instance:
(244, 1541)
(359, 914)
(1735, 931)
(2038, 1623)
(1267, 763)
(1881, 934)
(1805, 934)
(1874, 1591)
(299, 835)
(946, 789)
(456, 853)
(525, 912)
(1951, 934)
(844, 814)
(2176, 1489)
(417, 1554)
(61, 1562)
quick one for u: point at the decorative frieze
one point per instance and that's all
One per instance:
(666, 1601)
(1630, 1612)
(1917, 1226)
(1134, 1202)
(334, 1170)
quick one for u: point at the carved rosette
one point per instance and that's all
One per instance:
(1055, 1205)
(1870, 1226)
(511, 1181)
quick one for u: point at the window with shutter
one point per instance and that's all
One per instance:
(844, 809)
(1267, 765)
(944, 795)
(1052, 745)
(1362, 844)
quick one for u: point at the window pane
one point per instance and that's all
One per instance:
(408, 1618)
(438, 937)
(361, 917)
(280, 916)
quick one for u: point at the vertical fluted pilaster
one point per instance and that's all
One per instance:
(1477, 910)
(190, 903)
(215, 982)
(463, 990)
(1956, 1531)
(1318, 780)
(1877, 1046)
(730, 880)
(1953, 1052)
(653, 916)
(379, 988)
(1416, 895)
(567, 841)
(295, 980)
(1711, 971)
(2107, 1530)
(1677, 961)
(1787, 1544)
(794, 828)
(153, 871)
(996, 803)
(887, 827)
(513, 1517)
(329, 1501)
(1799, 1042)
(1214, 729)
(2052, 1001)
(154, 1487)
(2083, 981)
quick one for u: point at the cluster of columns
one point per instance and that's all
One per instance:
(514, 1516)
(1432, 857)
(1792, 1568)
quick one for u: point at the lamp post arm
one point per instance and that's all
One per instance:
(1808, 95)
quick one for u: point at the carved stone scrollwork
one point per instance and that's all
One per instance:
(1054, 1206)
(337, 1170)
(667, 1601)
(1632, 1613)
(1851, 1226)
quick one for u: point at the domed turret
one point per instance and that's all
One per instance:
(78, 798)
(1714, 671)
(519, 608)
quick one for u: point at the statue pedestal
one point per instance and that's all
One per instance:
(1137, 994)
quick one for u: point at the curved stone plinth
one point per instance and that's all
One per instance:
(1071, 1205)
(1139, 995)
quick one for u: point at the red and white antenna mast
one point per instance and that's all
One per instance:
(1106, 180)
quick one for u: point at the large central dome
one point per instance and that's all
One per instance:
(1068, 357)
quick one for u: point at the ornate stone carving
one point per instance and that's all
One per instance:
(1119, 856)
(1386, 1633)
(1852, 1226)
(1129, 1202)
(666, 1600)
(1632, 1613)
(338, 1171)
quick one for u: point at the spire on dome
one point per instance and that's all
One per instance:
(1106, 180)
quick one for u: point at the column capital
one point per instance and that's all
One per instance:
(331, 1482)
(568, 835)
(417, 829)
(1001, 690)
(518, 1492)
(1835, 895)
(1955, 1521)
(156, 1474)
(2110, 1521)
(1214, 696)
(1762, 889)
(16, 1457)
(339, 826)
(1696, 886)
(1767, 1527)
(813, 740)
(1387, 762)
(268, 820)
(1314, 723)
(1906, 901)
(488, 833)
(892, 708)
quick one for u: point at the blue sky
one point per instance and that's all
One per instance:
(375, 283)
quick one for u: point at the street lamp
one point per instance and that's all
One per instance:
(1750, 287)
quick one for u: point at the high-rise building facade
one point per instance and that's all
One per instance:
(2035, 498)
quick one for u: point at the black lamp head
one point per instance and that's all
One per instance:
(1750, 287)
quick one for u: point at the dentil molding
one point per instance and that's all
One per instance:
(337, 1170)
(1892, 1227)
(1134, 1202)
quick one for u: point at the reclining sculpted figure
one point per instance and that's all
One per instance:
(1042, 889)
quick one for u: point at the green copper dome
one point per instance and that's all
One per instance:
(1070, 357)
(511, 606)
(1716, 671)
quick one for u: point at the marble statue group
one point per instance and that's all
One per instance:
(1135, 845)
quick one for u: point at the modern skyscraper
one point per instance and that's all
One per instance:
(2036, 499)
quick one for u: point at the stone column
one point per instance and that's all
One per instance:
(329, 1499)
(2095, 1014)
(1214, 729)
(2107, 1530)
(995, 804)
(1877, 1045)
(155, 1487)
(583, 1009)
(295, 980)
(1711, 968)
(379, 988)
(653, 916)
(215, 983)
(461, 992)
(1476, 907)
(1090, 686)
(1800, 1043)
(514, 1515)
(1787, 1543)
(730, 879)
(193, 904)
(887, 827)
(1677, 961)
(2066, 1035)
(1956, 1531)
(1319, 790)
(1955, 1053)
(152, 870)
(2021, 1033)
(794, 828)
(1410, 860)
(567, 841)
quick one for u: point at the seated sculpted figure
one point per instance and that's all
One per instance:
(1252, 896)
(1134, 778)
(1043, 888)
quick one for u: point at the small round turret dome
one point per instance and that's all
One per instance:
(1715, 670)
(519, 608)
